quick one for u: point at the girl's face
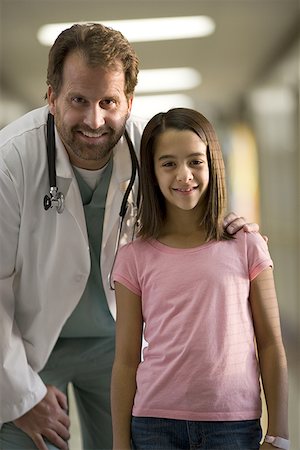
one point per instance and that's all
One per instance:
(181, 168)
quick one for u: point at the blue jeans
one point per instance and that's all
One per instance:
(165, 434)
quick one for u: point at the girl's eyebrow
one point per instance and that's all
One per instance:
(188, 156)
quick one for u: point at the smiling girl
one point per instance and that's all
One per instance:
(204, 302)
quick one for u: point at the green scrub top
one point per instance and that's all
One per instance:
(91, 317)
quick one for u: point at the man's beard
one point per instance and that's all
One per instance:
(86, 151)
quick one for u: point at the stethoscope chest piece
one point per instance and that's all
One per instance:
(55, 199)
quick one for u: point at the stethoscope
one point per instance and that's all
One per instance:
(56, 199)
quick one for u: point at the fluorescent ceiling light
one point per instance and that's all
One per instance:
(171, 79)
(148, 105)
(141, 30)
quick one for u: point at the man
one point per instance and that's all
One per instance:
(57, 309)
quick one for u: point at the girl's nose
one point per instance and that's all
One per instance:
(95, 117)
(184, 174)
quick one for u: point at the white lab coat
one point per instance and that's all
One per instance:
(44, 256)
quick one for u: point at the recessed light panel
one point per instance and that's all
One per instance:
(170, 79)
(141, 30)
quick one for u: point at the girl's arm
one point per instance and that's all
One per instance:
(271, 353)
(129, 327)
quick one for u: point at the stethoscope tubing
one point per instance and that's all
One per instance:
(55, 198)
(51, 150)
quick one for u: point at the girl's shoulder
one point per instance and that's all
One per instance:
(250, 237)
(253, 245)
(134, 255)
(138, 245)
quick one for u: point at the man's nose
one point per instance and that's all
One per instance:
(95, 117)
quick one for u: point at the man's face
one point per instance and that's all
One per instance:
(90, 111)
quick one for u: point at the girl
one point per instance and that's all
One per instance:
(204, 302)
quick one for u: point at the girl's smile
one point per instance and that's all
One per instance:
(186, 191)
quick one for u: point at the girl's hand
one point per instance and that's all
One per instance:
(266, 446)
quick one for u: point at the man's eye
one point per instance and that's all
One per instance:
(108, 102)
(78, 100)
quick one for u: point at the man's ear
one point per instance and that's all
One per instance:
(51, 99)
(130, 100)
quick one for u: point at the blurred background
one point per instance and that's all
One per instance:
(240, 66)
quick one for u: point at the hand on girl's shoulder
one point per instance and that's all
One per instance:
(234, 223)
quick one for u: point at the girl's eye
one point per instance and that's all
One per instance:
(168, 164)
(196, 162)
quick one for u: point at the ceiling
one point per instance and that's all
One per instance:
(250, 37)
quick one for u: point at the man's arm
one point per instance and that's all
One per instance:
(24, 397)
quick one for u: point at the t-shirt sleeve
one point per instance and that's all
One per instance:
(258, 254)
(125, 269)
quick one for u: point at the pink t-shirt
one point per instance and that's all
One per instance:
(200, 362)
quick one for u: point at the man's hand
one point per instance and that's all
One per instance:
(233, 223)
(48, 419)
